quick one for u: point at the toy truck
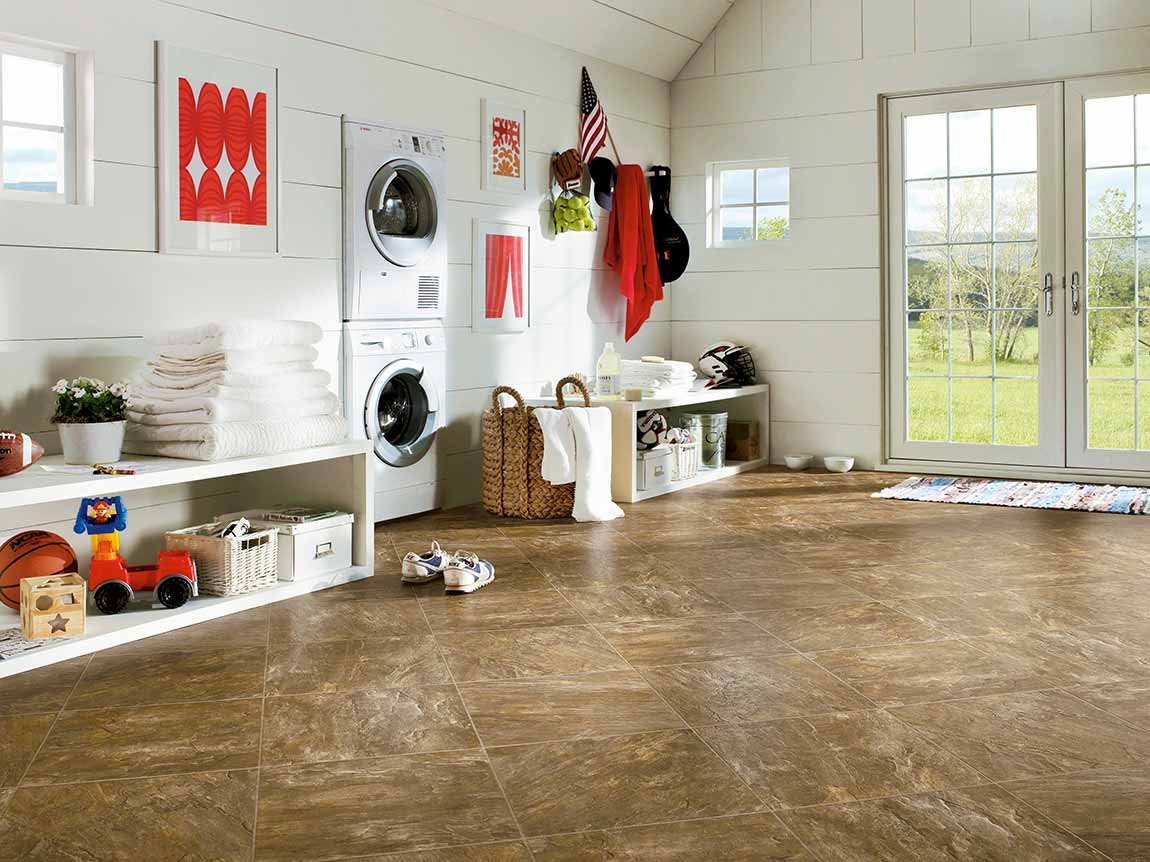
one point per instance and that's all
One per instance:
(113, 583)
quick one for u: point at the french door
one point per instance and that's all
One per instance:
(1019, 330)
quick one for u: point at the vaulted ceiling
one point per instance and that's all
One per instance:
(653, 36)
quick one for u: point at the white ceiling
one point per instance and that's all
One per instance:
(656, 37)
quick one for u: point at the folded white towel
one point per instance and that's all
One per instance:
(667, 369)
(219, 410)
(161, 399)
(190, 356)
(233, 439)
(295, 379)
(182, 373)
(592, 429)
(241, 334)
(558, 446)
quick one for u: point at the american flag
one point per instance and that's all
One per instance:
(592, 122)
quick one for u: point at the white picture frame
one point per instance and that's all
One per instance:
(501, 301)
(237, 212)
(503, 147)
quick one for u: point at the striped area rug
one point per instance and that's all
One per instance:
(1027, 495)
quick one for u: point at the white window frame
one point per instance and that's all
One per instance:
(76, 128)
(715, 171)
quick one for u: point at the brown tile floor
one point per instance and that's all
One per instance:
(775, 667)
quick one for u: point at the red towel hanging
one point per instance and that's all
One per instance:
(630, 247)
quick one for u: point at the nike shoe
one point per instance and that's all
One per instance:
(466, 573)
(421, 568)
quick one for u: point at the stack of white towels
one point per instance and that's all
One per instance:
(657, 377)
(241, 387)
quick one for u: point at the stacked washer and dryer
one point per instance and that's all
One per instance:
(394, 293)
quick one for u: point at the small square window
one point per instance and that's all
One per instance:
(748, 202)
(37, 123)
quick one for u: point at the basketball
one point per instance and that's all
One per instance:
(32, 554)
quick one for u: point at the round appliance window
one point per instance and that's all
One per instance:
(400, 415)
(402, 212)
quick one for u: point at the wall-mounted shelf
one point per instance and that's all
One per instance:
(746, 402)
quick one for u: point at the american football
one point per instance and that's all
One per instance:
(17, 451)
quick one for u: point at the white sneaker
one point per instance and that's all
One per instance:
(466, 573)
(421, 568)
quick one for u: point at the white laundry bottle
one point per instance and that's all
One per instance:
(607, 372)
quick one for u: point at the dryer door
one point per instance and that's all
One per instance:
(402, 212)
(401, 414)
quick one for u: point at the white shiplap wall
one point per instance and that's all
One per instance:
(801, 79)
(80, 285)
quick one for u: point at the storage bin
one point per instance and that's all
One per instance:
(685, 459)
(228, 567)
(713, 433)
(743, 440)
(310, 542)
(653, 469)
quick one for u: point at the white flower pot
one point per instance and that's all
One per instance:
(91, 442)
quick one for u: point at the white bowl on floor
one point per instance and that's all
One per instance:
(798, 462)
(839, 463)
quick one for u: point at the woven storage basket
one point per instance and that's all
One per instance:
(228, 567)
(513, 483)
(685, 459)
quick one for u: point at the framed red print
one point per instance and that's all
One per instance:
(504, 147)
(218, 145)
(501, 276)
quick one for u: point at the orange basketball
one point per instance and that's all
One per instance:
(32, 554)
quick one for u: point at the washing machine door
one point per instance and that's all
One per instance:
(402, 212)
(401, 415)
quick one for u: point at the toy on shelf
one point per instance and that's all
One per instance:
(52, 607)
(112, 582)
(32, 554)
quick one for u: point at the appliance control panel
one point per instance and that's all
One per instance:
(398, 341)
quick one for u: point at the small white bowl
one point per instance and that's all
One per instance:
(798, 462)
(839, 463)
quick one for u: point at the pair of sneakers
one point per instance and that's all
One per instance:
(462, 572)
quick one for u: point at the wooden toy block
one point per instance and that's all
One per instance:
(52, 606)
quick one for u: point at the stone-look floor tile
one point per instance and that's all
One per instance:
(1029, 734)
(384, 584)
(1082, 657)
(499, 611)
(1107, 808)
(379, 805)
(41, 690)
(1129, 701)
(331, 666)
(854, 625)
(336, 615)
(527, 653)
(170, 676)
(836, 758)
(737, 691)
(593, 704)
(984, 824)
(310, 727)
(744, 838)
(186, 818)
(637, 601)
(770, 593)
(148, 740)
(623, 781)
(752, 560)
(938, 670)
(887, 582)
(245, 629)
(20, 738)
(1002, 612)
(624, 566)
(690, 640)
(502, 852)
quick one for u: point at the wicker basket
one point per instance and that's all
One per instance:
(685, 459)
(228, 567)
(513, 483)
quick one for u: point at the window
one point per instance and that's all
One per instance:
(749, 202)
(37, 123)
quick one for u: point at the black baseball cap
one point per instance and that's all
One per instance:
(602, 172)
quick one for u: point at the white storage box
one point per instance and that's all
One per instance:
(307, 546)
(653, 469)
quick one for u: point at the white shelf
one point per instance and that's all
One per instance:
(682, 399)
(703, 477)
(135, 623)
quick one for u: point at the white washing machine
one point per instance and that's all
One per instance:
(394, 223)
(394, 395)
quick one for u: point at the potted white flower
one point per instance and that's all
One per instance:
(90, 417)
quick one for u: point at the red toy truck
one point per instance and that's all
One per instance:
(114, 583)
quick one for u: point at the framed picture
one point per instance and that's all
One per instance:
(504, 146)
(500, 276)
(218, 143)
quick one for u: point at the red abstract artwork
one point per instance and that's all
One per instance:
(504, 258)
(213, 127)
(506, 159)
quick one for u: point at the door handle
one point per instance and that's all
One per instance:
(1075, 294)
(1048, 293)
